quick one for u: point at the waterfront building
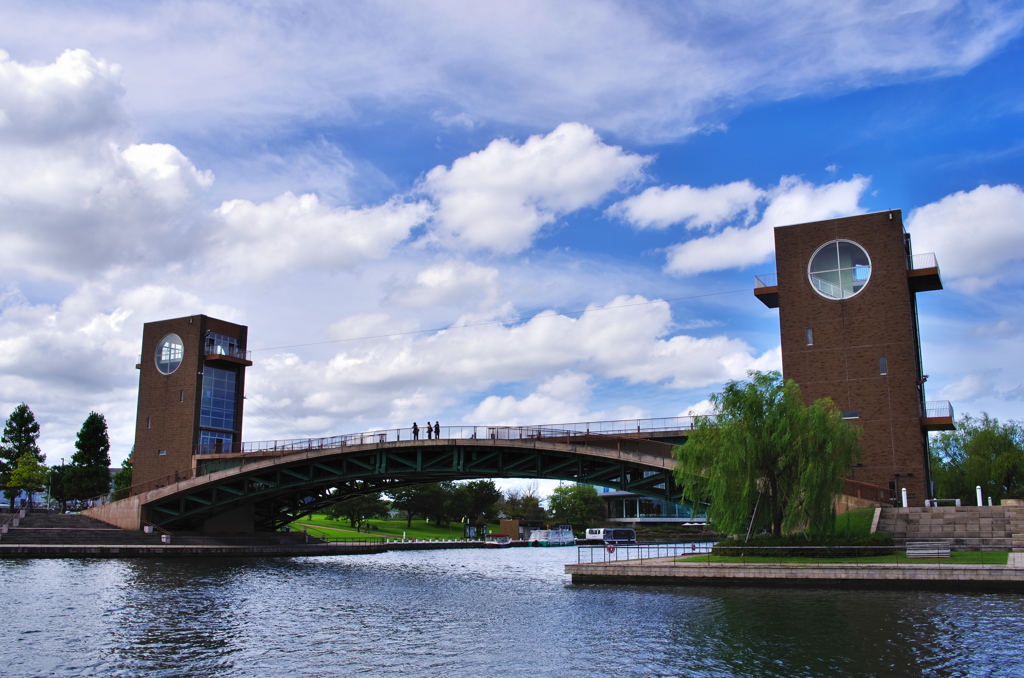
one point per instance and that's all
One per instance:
(846, 290)
(191, 386)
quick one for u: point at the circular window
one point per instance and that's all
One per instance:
(839, 269)
(169, 353)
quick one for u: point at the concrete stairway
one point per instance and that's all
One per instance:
(57, 529)
(60, 529)
(988, 528)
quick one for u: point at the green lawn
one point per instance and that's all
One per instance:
(955, 558)
(856, 522)
(320, 526)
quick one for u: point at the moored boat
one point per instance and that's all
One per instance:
(497, 541)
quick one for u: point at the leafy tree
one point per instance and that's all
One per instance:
(767, 460)
(89, 474)
(123, 478)
(476, 498)
(59, 487)
(359, 509)
(21, 435)
(521, 505)
(576, 504)
(28, 475)
(981, 451)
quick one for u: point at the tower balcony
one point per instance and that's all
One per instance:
(937, 415)
(766, 288)
(923, 273)
(228, 355)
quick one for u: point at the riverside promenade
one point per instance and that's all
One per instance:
(925, 575)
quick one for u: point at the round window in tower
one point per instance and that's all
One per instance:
(839, 269)
(169, 353)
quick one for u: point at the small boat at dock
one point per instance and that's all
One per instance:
(497, 541)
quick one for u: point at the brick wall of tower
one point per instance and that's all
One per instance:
(169, 404)
(849, 338)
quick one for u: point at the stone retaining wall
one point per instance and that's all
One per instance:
(944, 576)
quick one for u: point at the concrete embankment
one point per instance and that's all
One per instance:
(1009, 577)
(181, 551)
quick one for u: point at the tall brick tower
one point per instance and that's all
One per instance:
(191, 383)
(846, 293)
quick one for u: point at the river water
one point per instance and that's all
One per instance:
(506, 612)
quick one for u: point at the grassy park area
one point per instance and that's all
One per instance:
(321, 526)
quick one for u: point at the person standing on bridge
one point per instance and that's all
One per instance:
(429, 430)
(437, 430)
(415, 431)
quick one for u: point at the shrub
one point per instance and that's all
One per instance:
(836, 546)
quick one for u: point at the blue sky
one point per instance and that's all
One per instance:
(329, 173)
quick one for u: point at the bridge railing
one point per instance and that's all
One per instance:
(620, 427)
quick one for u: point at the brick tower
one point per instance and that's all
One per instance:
(191, 382)
(846, 293)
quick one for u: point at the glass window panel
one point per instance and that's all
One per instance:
(827, 259)
(851, 255)
(169, 353)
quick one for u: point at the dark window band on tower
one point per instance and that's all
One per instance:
(810, 337)
(883, 365)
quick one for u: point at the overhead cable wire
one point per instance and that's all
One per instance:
(500, 322)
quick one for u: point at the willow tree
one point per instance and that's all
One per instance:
(767, 460)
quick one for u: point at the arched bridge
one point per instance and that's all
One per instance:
(265, 485)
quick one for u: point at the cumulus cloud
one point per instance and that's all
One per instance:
(76, 197)
(976, 235)
(294, 232)
(501, 197)
(561, 398)
(648, 70)
(454, 283)
(629, 343)
(793, 201)
(659, 207)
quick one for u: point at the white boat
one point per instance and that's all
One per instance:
(609, 535)
(559, 536)
(497, 541)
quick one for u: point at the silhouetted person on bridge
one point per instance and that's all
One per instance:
(437, 430)
(415, 431)
(429, 430)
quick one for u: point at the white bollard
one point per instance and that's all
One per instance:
(904, 497)
(980, 502)
(990, 501)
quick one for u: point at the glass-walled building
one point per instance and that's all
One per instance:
(626, 507)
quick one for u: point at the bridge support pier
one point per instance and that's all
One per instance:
(238, 520)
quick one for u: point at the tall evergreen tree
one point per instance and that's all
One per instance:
(21, 435)
(89, 473)
(767, 460)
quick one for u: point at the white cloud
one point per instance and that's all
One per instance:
(976, 235)
(253, 241)
(561, 398)
(413, 376)
(501, 197)
(650, 70)
(660, 207)
(76, 197)
(455, 283)
(793, 201)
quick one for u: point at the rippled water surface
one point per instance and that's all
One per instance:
(473, 613)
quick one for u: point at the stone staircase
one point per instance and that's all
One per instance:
(967, 528)
(72, 529)
(59, 529)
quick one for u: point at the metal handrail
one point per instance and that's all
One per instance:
(156, 527)
(926, 260)
(937, 409)
(619, 427)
